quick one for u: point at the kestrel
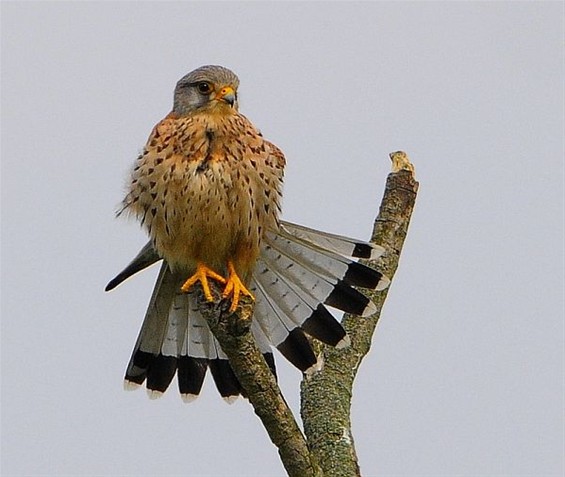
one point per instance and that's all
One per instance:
(207, 188)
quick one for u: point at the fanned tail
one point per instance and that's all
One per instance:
(300, 272)
(175, 339)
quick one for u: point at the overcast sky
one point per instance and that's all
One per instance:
(465, 375)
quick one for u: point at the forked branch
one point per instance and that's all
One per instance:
(326, 396)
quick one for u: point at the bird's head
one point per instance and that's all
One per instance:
(211, 87)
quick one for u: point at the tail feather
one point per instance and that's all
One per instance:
(226, 381)
(190, 375)
(321, 288)
(339, 244)
(264, 345)
(154, 328)
(325, 262)
(300, 271)
(161, 372)
(297, 304)
(322, 325)
(274, 322)
(296, 348)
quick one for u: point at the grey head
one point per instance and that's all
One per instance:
(209, 87)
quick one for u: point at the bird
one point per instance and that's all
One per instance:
(207, 188)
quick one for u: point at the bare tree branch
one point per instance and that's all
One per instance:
(233, 332)
(326, 396)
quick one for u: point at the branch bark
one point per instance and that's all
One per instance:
(233, 332)
(326, 396)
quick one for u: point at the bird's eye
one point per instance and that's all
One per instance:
(204, 87)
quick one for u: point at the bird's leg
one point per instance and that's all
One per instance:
(201, 275)
(235, 287)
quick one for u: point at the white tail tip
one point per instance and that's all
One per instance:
(188, 398)
(130, 385)
(345, 342)
(230, 399)
(376, 251)
(384, 282)
(369, 310)
(316, 367)
(154, 394)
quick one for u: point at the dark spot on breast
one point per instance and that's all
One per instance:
(159, 160)
(152, 184)
(143, 218)
(150, 170)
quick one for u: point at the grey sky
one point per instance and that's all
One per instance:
(466, 371)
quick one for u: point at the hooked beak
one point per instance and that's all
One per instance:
(227, 94)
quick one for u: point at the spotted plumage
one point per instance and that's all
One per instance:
(207, 188)
(198, 188)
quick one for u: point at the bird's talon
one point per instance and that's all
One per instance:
(235, 288)
(201, 275)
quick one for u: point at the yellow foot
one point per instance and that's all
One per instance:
(235, 288)
(201, 275)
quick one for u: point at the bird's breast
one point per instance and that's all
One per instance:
(200, 192)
